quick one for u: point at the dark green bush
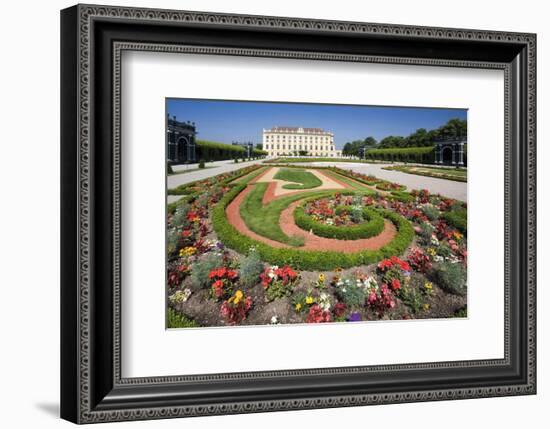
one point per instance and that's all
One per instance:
(201, 163)
(179, 320)
(450, 277)
(458, 218)
(169, 169)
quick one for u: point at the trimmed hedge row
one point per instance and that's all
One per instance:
(405, 169)
(421, 155)
(307, 259)
(214, 151)
(370, 228)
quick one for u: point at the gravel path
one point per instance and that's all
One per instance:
(448, 188)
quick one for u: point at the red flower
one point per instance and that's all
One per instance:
(318, 315)
(395, 284)
(339, 309)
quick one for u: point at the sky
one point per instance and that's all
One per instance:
(228, 121)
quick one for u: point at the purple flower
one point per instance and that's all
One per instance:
(354, 317)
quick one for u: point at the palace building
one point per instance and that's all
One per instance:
(298, 141)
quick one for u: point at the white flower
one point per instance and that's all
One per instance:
(324, 301)
(434, 241)
(274, 320)
(438, 258)
(180, 296)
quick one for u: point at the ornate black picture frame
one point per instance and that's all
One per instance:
(92, 39)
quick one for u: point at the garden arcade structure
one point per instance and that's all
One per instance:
(180, 137)
(450, 151)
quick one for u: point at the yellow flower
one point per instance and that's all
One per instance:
(322, 278)
(428, 285)
(457, 235)
(309, 300)
(238, 297)
(431, 251)
(298, 307)
(337, 270)
(426, 307)
(187, 251)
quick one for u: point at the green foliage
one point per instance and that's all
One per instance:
(201, 270)
(456, 174)
(303, 179)
(426, 230)
(201, 163)
(169, 169)
(431, 211)
(374, 225)
(278, 290)
(412, 297)
(214, 151)
(450, 277)
(458, 218)
(461, 312)
(303, 259)
(401, 196)
(250, 268)
(351, 294)
(425, 155)
(176, 319)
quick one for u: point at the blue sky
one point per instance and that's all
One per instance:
(227, 121)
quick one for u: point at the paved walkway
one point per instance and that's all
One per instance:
(448, 188)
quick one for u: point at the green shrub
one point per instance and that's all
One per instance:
(458, 218)
(461, 312)
(169, 169)
(412, 297)
(251, 268)
(401, 196)
(218, 151)
(201, 269)
(176, 319)
(371, 228)
(201, 163)
(426, 230)
(351, 294)
(425, 154)
(450, 277)
(430, 211)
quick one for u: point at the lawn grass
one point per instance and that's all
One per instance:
(303, 179)
(264, 220)
(456, 174)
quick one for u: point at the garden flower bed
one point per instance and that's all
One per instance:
(220, 273)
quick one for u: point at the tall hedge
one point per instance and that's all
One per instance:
(214, 151)
(422, 155)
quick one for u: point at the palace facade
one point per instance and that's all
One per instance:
(298, 141)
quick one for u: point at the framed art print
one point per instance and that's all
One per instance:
(265, 213)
